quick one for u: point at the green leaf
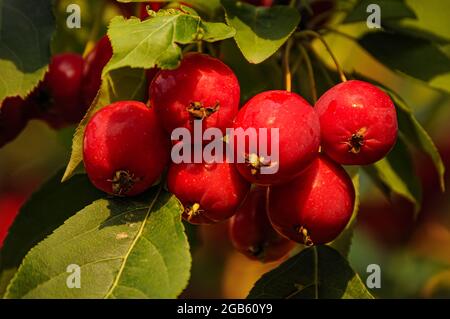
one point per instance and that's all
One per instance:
(390, 10)
(416, 135)
(260, 31)
(396, 173)
(344, 241)
(25, 33)
(118, 85)
(125, 248)
(252, 78)
(154, 42)
(431, 22)
(416, 32)
(46, 210)
(316, 272)
(406, 55)
(216, 31)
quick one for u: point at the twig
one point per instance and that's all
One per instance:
(310, 33)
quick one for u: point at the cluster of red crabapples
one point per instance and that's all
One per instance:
(309, 199)
(64, 95)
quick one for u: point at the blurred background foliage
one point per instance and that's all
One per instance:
(414, 254)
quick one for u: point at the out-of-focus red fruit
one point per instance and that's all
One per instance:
(57, 100)
(10, 204)
(251, 232)
(390, 224)
(126, 9)
(12, 119)
(150, 75)
(95, 61)
(125, 150)
(315, 207)
(263, 3)
(65, 75)
(358, 123)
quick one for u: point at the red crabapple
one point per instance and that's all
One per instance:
(12, 119)
(57, 99)
(201, 88)
(251, 232)
(299, 136)
(358, 123)
(10, 203)
(209, 192)
(264, 3)
(125, 150)
(316, 206)
(92, 72)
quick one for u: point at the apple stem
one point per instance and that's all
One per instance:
(200, 46)
(311, 33)
(287, 70)
(309, 68)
